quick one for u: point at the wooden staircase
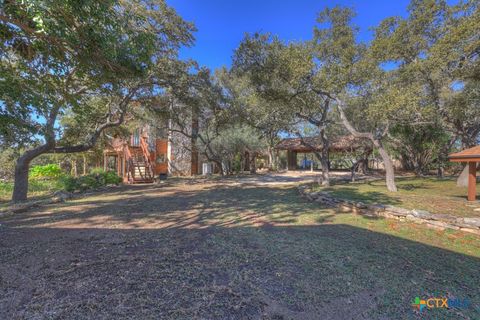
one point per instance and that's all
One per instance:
(138, 165)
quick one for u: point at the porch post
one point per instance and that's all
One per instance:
(119, 164)
(472, 180)
(291, 160)
(289, 157)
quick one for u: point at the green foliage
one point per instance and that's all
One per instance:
(232, 143)
(106, 177)
(48, 180)
(418, 147)
(71, 70)
(69, 183)
(7, 163)
(36, 188)
(97, 178)
(435, 46)
(48, 171)
(109, 44)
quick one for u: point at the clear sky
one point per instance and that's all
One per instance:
(222, 24)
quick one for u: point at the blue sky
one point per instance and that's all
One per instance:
(222, 24)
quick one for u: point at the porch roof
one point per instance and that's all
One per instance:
(467, 155)
(311, 144)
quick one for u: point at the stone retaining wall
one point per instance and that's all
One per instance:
(438, 221)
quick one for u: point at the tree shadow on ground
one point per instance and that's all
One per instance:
(368, 197)
(217, 251)
(212, 205)
(274, 272)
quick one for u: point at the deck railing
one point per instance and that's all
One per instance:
(130, 169)
(146, 155)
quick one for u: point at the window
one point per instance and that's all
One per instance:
(161, 158)
(161, 133)
(136, 138)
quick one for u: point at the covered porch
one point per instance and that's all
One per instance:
(344, 152)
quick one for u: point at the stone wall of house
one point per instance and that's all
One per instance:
(180, 156)
(438, 221)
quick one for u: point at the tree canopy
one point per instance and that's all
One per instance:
(71, 70)
(89, 60)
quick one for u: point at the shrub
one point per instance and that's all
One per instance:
(112, 178)
(89, 182)
(69, 183)
(46, 172)
(106, 177)
(95, 179)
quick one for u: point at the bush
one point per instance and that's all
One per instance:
(69, 183)
(97, 178)
(112, 178)
(46, 172)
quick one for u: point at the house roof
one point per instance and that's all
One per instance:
(309, 144)
(467, 155)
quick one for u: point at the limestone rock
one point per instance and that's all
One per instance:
(438, 223)
(400, 212)
(376, 208)
(472, 221)
(61, 196)
(470, 230)
(443, 217)
(423, 214)
(361, 205)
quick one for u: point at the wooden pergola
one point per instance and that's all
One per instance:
(471, 157)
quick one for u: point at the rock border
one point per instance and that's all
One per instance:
(437, 221)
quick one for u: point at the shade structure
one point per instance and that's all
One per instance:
(347, 143)
(471, 157)
(312, 144)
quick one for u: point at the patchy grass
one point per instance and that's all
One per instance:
(220, 250)
(36, 189)
(431, 194)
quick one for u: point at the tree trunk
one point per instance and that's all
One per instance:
(271, 159)
(353, 170)
(20, 186)
(74, 168)
(389, 172)
(324, 159)
(462, 180)
(363, 163)
(246, 164)
(440, 172)
(84, 165)
(443, 156)
(253, 165)
(387, 162)
(325, 171)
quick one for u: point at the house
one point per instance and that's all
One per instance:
(151, 153)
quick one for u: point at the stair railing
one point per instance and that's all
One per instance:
(146, 156)
(129, 161)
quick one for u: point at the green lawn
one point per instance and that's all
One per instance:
(431, 194)
(36, 189)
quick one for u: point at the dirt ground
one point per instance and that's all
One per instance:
(245, 248)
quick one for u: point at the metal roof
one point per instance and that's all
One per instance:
(472, 154)
(309, 144)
